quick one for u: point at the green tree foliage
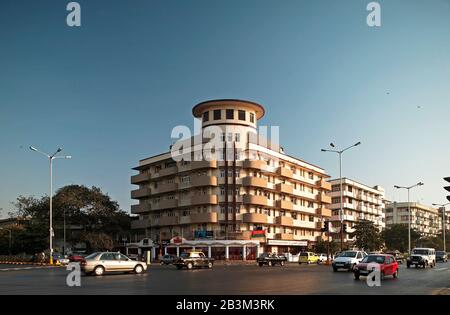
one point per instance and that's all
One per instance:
(88, 208)
(396, 237)
(367, 235)
(321, 247)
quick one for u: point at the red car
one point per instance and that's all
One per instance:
(388, 266)
(76, 258)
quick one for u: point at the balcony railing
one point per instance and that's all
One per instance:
(140, 193)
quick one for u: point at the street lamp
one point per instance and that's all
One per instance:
(443, 220)
(51, 158)
(409, 211)
(341, 215)
(10, 237)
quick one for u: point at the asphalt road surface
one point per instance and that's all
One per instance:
(232, 279)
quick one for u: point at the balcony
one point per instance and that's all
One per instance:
(254, 218)
(242, 235)
(203, 180)
(284, 221)
(323, 198)
(203, 164)
(284, 204)
(140, 208)
(285, 172)
(165, 204)
(254, 181)
(165, 188)
(255, 164)
(140, 193)
(199, 218)
(323, 184)
(140, 224)
(284, 188)
(140, 178)
(166, 172)
(204, 199)
(323, 212)
(168, 221)
(255, 200)
(284, 236)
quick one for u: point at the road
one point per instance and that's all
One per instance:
(232, 279)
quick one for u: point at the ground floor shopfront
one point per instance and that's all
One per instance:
(218, 249)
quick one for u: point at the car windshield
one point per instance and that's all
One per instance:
(347, 254)
(304, 254)
(264, 255)
(184, 255)
(440, 253)
(420, 251)
(374, 258)
(93, 255)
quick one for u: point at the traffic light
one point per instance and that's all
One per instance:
(344, 227)
(447, 188)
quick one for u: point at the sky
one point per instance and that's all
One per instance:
(110, 92)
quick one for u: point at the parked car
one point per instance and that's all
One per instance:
(308, 258)
(193, 259)
(397, 255)
(422, 257)
(323, 257)
(168, 259)
(441, 256)
(388, 266)
(101, 262)
(271, 259)
(348, 260)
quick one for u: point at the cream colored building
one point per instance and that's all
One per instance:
(360, 202)
(426, 220)
(280, 201)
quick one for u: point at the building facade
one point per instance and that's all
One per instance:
(424, 219)
(360, 202)
(248, 189)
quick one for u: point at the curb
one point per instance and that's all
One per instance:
(25, 263)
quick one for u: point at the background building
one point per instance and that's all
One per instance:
(360, 202)
(426, 220)
(259, 194)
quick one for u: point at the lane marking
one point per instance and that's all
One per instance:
(440, 269)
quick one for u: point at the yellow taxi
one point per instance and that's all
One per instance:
(308, 258)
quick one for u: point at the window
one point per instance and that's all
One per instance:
(205, 116)
(217, 114)
(222, 136)
(238, 137)
(311, 218)
(241, 115)
(311, 175)
(252, 117)
(230, 114)
(230, 137)
(350, 188)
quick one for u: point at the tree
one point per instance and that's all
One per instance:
(97, 241)
(368, 237)
(396, 237)
(321, 246)
(88, 208)
(430, 242)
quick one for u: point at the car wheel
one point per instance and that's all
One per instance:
(352, 268)
(408, 266)
(382, 276)
(189, 266)
(269, 264)
(395, 275)
(309, 263)
(356, 276)
(162, 263)
(210, 265)
(138, 269)
(99, 271)
(335, 269)
(260, 264)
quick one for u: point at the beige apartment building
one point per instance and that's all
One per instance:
(360, 202)
(259, 199)
(426, 220)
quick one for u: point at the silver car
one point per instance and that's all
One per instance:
(99, 263)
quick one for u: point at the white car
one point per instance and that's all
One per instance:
(422, 257)
(348, 260)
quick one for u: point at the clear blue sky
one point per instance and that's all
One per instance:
(111, 91)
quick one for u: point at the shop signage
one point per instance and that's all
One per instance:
(287, 243)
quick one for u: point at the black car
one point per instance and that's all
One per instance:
(270, 260)
(168, 259)
(193, 259)
(441, 256)
(397, 255)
